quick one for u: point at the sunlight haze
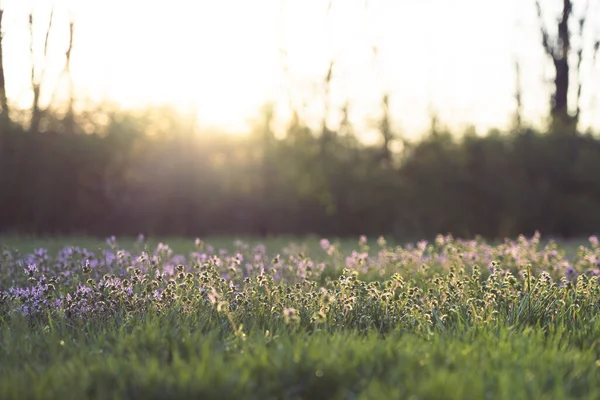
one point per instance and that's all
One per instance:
(225, 59)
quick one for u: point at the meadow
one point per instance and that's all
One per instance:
(286, 318)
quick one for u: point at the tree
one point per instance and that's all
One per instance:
(267, 167)
(4, 115)
(518, 116)
(37, 76)
(386, 130)
(560, 50)
(69, 117)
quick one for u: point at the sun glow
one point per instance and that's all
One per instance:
(226, 58)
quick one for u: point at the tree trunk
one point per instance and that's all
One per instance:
(36, 81)
(36, 112)
(4, 116)
(386, 132)
(560, 111)
(558, 49)
(518, 97)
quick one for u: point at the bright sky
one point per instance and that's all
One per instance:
(224, 58)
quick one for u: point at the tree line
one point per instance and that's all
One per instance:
(121, 180)
(103, 172)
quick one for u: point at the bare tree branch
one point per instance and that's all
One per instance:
(545, 36)
(564, 36)
(36, 82)
(69, 119)
(327, 86)
(35, 86)
(579, 83)
(46, 40)
(385, 129)
(582, 23)
(583, 18)
(31, 53)
(4, 111)
(66, 74)
(68, 59)
(518, 96)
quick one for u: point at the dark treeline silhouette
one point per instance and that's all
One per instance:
(113, 172)
(152, 174)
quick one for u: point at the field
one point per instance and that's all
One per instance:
(299, 319)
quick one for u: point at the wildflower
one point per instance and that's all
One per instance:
(86, 269)
(213, 296)
(290, 316)
(570, 273)
(111, 242)
(440, 240)
(327, 299)
(222, 306)
(362, 241)
(31, 269)
(492, 267)
(319, 317)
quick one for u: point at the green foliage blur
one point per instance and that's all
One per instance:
(152, 173)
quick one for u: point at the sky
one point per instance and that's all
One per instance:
(222, 60)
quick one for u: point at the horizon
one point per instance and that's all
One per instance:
(222, 66)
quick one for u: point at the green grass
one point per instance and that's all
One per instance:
(153, 360)
(178, 244)
(182, 245)
(443, 332)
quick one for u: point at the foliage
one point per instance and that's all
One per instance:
(154, 173)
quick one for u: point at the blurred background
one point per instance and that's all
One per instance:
(332, 117)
